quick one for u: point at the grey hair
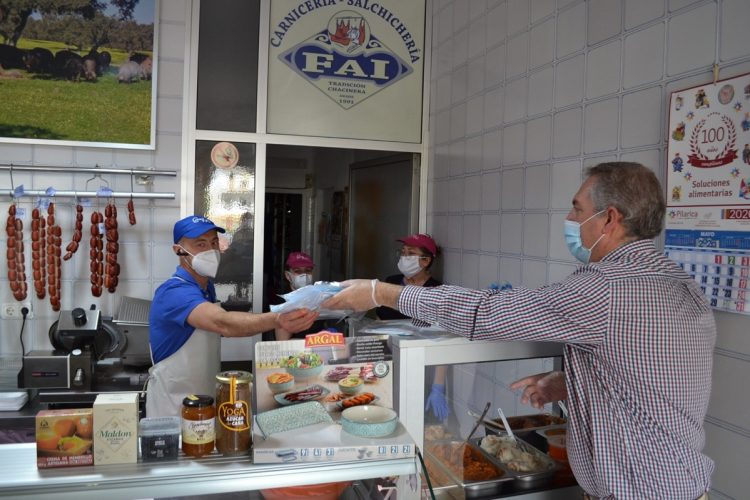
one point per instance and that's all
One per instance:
(632, 189)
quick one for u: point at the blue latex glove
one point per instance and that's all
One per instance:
(437, 401)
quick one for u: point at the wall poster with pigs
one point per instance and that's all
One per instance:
(708, 189)
(78, 73)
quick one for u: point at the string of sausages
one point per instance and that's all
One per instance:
(14, 254)
(54, 260)
(77, 234)
(96, 252)
(112, 270)
(39, 252)
(131, 211)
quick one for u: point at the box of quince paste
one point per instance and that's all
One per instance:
(64, 438)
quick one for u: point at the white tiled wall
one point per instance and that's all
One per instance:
(566, 84)
(145, 250)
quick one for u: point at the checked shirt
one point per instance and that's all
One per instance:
(639, 343)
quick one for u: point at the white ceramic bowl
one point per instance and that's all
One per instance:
(369, 421)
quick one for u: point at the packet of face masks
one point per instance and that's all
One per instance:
(310, 297)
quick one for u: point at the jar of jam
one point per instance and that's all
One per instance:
(198, 421)
(233, 413)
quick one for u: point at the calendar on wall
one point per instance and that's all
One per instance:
(708, 189)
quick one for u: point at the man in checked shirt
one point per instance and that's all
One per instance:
(638, 337)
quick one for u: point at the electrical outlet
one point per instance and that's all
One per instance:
(12, 310)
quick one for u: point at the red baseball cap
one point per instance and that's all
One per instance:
(299, 259)
(420, 240)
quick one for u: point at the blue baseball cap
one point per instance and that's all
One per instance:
(193, 226)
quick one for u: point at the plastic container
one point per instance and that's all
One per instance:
(159, 438)
(557, 447)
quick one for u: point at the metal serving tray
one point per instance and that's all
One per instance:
(525, 423)
(524, 480)
(467, 488)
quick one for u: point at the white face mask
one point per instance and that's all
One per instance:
(299, 280)
(409, 265)
(205, 263)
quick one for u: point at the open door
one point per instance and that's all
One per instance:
(384, 206)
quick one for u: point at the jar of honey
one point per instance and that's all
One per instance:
(198, 425)
(233, 412)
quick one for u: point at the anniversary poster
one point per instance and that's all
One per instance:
(708, 189)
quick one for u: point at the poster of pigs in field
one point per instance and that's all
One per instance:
(78, 72)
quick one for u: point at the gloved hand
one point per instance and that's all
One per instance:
(437, 401)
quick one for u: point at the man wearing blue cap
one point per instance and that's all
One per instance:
(186, 323)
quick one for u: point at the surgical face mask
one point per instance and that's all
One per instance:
(574, 242)
(409, 265)
(205, 263)
(300, 280)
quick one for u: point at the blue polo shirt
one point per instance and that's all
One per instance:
(173, 302)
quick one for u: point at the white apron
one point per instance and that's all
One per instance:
(190, 370)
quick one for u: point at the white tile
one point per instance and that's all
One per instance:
(442, 96)
(90, 157)
(131, 158)
(476, 38)
(563, 3)
(511, 185)
(541, 9)
(591, 161)
(515, 100)
(644, 56)
(496, 25)
(692, 39)
(488, 268)
(557, 272)
(641, 118)
(571, 30)
(474, 154)
(493, 107)
(604, 19)
(173, 11)
(52, 155)
(601, 126)
(734, 16)
(567, 133)
(678, 4)
(444, 57)
(57, 180)
(475, 115)
(518, 15)
(517, 56)
(134, 260)
(452, 273)
(163, 260)
(455, 230)
(536, 194)
(460, 48)
(540, 91)
(168, 156)
(513, 144)
(170, 78)
(471, 233)
(511, 235)
(557, 248)
(490, 234)
(569, 81)
(542, 44)
(642, 11)
(651, 158)
(565, 181)
(535, 232)
(510, 270)
(476, 75)
(491, 191)
(456, 193)
(494, 66)
(162, 224)
(458, 121)
(603, 71)
(441, 165)
(168, 115)
(457, 153)
(472, 191)
(724, 445)
(492, 150)
(460, 15)
(172, 41)
(538, 137)
(477, 8)
(444, 25)
(459, 84)
(534, 273)
(442, 126)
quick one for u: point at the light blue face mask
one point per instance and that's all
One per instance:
(574, 242)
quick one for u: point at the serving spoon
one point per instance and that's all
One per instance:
(479, 420)
(506, 424)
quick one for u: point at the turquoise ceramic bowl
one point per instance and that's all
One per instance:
(305, 373)
(351, 385)
(369, 421)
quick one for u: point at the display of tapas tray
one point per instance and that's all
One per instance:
(529, 466)
(363, 398)
(466, 466)
(309, 393)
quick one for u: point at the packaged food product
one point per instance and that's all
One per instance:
(198, 425)
(159, 437)
(233, 412)
(116, 428)
(63, 438)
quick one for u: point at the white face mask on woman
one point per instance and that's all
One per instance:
(299, 280)
(205, 263)
(409, 265)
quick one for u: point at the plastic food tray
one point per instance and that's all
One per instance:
(524, 479)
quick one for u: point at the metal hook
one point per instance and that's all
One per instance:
(12, 185)
(101, 179)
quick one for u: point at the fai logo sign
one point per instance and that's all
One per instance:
(346, 61)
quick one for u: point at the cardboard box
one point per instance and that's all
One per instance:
(64, 438)
(116, 428)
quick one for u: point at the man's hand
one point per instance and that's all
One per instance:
(357, 295)
(296, 321)
(543, 388)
